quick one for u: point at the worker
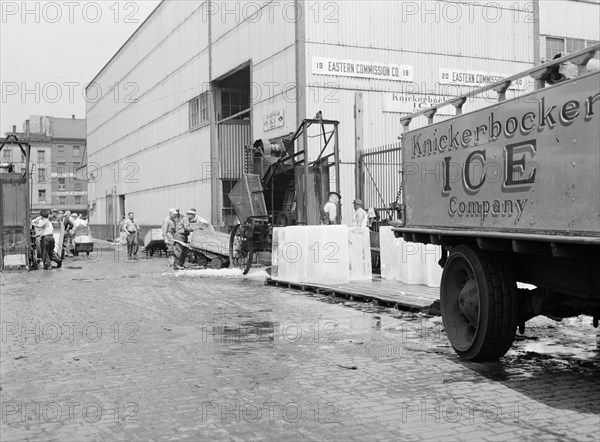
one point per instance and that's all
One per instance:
(132, 228)
(76, 221)
(203, 223)
(67, 233)
(168, 230)
(53, 216)
(47, 243)
(183, 230)
(360, 215)
(330, 209)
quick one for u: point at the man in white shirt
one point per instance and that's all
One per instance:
(330, 209)
(47, 240)
(168, 231)
(360, 215)
(132, 228)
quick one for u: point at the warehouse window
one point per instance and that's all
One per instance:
(554, 46)
(228, 210)
(41, 196)
(199, 111)
(78, 200)
(62, 200)
(574, 45)
(41, 175)
(234, 101)
(41, 156)
(62, 184)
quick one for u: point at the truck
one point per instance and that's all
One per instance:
(511, 193)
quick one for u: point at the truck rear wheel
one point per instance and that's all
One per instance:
(478, 300)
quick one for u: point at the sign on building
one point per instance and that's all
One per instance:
(65, 193)
(273, 120)
(361, 69)
(461, 77)
(409, 103)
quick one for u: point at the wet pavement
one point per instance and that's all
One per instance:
(106, 349)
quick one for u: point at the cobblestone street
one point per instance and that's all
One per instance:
(114, 350)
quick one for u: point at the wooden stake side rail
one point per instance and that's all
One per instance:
(380, 291)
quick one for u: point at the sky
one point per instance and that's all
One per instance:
(50, 50)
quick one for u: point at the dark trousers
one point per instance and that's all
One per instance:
(48, 253)
(132, 244)
(180, 251)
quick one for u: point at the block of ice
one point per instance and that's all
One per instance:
(327, 255)
(390, 253)
(310, 254)
(408, 262)
(359, 254)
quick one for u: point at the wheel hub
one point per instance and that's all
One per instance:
(468, 301)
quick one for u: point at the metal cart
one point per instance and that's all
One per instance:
(253, 235)
(82, 241)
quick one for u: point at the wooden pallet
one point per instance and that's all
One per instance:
(379, 291)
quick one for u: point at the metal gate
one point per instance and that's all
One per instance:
(381, 178)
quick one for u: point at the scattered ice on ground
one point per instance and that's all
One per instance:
(223, 273)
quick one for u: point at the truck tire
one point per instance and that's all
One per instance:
(478, 298)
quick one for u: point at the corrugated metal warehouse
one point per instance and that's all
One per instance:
(169, 115)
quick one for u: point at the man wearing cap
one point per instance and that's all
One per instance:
(53, 216)
(182, 231)
(360, 215)
(47, 240)
(132, 228)
(168, 230)
(331, 208)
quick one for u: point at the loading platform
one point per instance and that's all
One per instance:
(378, 291)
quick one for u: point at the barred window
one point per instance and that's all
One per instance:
(199, 111)
(234, 101)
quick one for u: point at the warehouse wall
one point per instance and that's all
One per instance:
(262, 33)
(143, 125)
(570, 18)
(426, 36)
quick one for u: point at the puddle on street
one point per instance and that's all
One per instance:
(242, 332)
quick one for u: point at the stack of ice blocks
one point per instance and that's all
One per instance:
(408, 262)
(320, 254)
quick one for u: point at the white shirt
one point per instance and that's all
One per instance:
(360, 218)
(331, 210)
(45, 227)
